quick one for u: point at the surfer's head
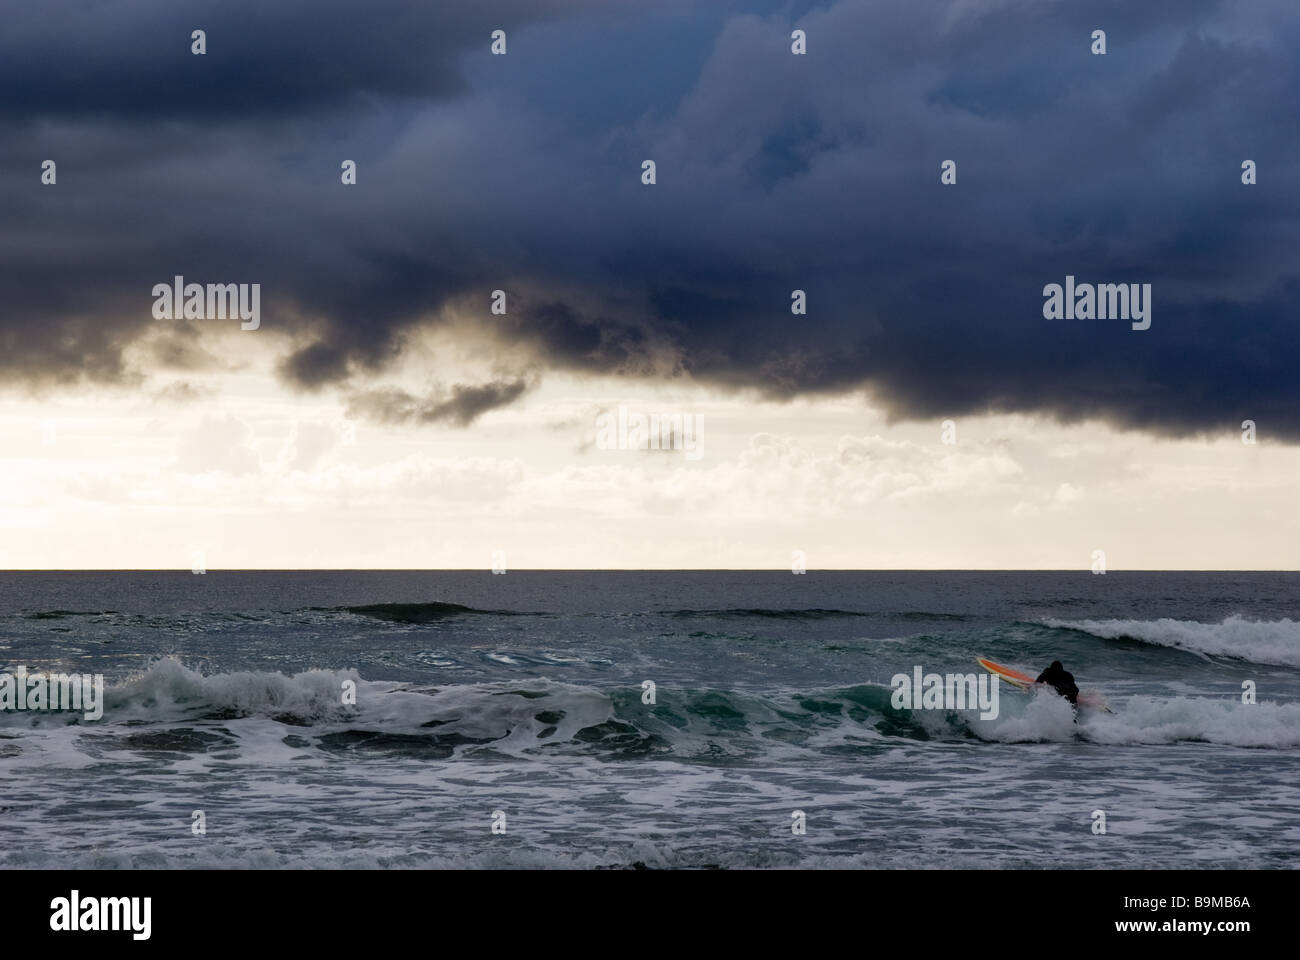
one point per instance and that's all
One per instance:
(1056, 665)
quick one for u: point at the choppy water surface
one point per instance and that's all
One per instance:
(523, 694)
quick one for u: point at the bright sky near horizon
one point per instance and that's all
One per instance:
(245, 474)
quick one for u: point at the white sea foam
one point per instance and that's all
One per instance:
(170, 690)
(1153, 720)
(1259, 641)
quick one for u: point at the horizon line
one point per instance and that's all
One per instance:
(488, 570)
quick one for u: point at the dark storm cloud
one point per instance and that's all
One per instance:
(133, 59)
(775, 172)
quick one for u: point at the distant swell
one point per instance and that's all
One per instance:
(818, 613)
(1258, 641)
(809, 614)
(412, 612)
(62, 614)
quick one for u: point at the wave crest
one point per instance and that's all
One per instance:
(1259, 641)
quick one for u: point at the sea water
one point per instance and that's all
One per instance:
(658, 719)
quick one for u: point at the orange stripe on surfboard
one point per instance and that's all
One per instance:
(1015, 676)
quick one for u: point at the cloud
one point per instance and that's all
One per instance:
(134, 61)
(309, 442)
(460, 405)
(222, 444)
(775, 173)
(180, 392)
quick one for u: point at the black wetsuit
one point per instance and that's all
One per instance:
(1060, 680)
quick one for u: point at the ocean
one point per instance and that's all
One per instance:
(504, 721)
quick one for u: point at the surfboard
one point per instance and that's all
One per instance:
(1013, 677)
(1025, 682)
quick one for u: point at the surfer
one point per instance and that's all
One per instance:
(1060, 680)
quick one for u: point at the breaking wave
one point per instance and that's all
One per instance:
(172, 707)
(1274, 642)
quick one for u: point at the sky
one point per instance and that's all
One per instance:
(923, 412)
